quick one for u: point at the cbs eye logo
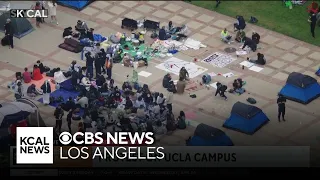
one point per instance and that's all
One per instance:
(65, 138)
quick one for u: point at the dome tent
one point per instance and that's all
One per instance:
(77, 5)
(21, 26)
(245, 118)
(301, 88)
(206, 135)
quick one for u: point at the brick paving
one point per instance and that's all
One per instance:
(284, 55)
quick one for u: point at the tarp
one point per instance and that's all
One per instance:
(205, 135)
(21, 26)
(247, 124)
(13, 112)
(301, 88)
(77, 5)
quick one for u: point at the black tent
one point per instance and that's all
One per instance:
(21, 26)
(245, 110)
(300, 80)
(207, 132)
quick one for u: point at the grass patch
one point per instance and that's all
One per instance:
(272, 15)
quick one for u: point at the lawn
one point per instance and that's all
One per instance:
(272, 15)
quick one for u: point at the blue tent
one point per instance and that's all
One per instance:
(77, 5)
(205, 135)
(245, 118)
(301, 88)
(318, 72)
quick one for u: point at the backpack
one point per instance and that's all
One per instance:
(253, 20)
(251, 101)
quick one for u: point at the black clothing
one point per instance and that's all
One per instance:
(221, 89)
(250, 43)
(97, 65)
(89, 61)
(261, 60)
(281, 102)
(69, 118)
(313, 23)
(128, 105)
(166, 81)
(9, 33)
(162, 35)
(68, 105)
(218, 3)
(100, 80)
(256, 38)
(241, 25)
(46, 88)
(42, 68)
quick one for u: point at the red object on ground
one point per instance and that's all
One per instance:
(171, 66)
(195, 59)
(37, 74)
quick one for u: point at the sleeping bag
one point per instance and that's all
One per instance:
(71, 45)
(98, 38)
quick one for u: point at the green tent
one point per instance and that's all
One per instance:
(21, 26)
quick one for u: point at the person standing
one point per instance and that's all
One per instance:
(8, 31)
(218, 3)
(313, 23)
(169, 100)
(46, 89)
(52, 5)
(281, 101)
(89, 64)
(69, 118)
(58, 114)
(109, 64)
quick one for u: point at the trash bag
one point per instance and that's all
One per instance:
(253, 20)
(251, 101)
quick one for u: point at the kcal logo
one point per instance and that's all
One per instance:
(34, 145)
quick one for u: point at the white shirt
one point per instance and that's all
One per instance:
(83, 101)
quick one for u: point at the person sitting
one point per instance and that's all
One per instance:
(82, 101)
(59, 76)
(166, 80)
(104, 90)
(225, 37)
(129, 104)
(26, 76)
(141, 37)
(172, 87)
(159, 130)
(90, 34)
(261, 60)
(181, 121)
(116, 94)
(250, 43)
(139, 102)
(81, 26)
(31, 91)
(100, 80)
(240, 24)
(92, 94)
(67, 32)
(237, 86)
(240, 36)
(127, 88)
(74, 67)
(18, 90)
(160, 99)
(85, 81)
(36, 73)
(255, 37)
(41, 67)
(163, 34)
(181, 85)
(141, 114)
(183, 74)
(68, 105)
(171, 29)
(170, 124)
(182, 32)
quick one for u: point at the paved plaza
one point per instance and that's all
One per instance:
(284, 55)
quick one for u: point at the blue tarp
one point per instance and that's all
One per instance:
(247, 124)
(78, 5)
(301, 88)
(318, 72)
(205, 135)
